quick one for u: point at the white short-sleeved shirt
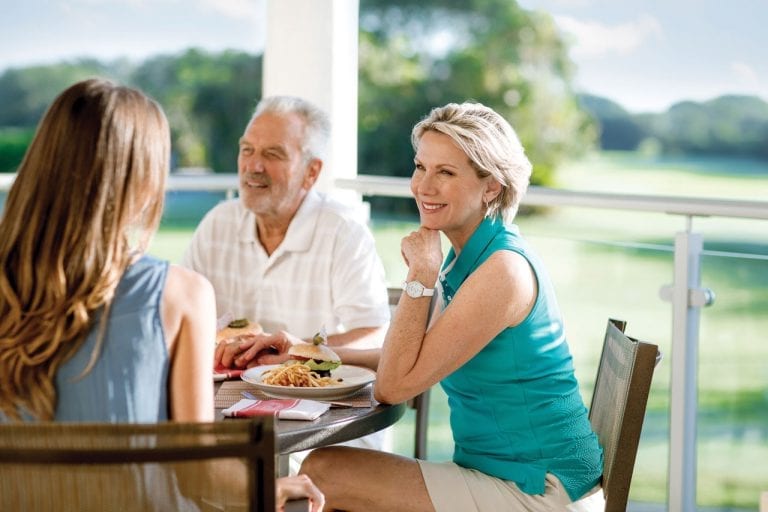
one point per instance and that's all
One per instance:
(325, 272)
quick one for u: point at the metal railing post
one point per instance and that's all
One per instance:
(687, 299)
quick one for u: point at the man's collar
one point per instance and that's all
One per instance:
(298, 238)
(303, 225)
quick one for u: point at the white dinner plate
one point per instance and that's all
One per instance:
(353, 378)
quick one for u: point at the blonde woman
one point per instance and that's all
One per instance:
(493, 338)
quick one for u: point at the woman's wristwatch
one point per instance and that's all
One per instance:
(415, 289)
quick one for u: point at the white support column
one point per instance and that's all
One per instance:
(687, 298)
(683, 382)
(311, 51)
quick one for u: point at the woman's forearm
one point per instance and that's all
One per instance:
(395, 381)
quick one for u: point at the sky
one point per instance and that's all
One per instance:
(649, 54)
(47, 31)
(643, 54)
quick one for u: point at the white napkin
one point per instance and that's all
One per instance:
(285, 409)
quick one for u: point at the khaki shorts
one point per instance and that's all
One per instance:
(453, 488)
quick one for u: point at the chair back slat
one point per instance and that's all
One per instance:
(166, 466)
(618, 407)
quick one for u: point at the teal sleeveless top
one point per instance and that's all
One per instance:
(129, 383)
(515, 408)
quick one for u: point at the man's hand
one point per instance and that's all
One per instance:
(250, 350)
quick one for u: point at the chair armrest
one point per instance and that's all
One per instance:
(301, 505)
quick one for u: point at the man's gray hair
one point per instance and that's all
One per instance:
(317, 125)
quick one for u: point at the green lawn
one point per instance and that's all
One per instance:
(612, 265)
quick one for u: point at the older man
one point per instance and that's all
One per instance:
(284, 255)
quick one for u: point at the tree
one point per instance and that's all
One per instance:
(13, 146)
(208, 99)
(727, 125)
(618, 128)
(25, 93)
(418, 54)
(225, 107)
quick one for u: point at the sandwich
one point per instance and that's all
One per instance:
(316, 355)
(237, 328)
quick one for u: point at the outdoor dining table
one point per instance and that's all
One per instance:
(361, 415)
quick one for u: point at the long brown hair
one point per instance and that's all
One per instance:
(87, 196)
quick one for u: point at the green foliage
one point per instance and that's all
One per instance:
(13, 145)
(416, 55)
(728, 125)
(208, 99)
(725, 125)
(25, 93)
(619, 130)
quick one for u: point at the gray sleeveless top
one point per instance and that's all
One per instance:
(129, 382)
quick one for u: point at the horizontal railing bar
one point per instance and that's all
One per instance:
(542, 196)
(389, 186)
(208, 182)
(654, 247)
(6, 180)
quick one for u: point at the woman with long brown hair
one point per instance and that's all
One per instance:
(91, 328)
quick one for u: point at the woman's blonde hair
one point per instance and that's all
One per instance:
(92, 178)
(491, 145)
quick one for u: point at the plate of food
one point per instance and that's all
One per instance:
(313, 371)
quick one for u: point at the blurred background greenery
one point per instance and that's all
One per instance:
(509, 58)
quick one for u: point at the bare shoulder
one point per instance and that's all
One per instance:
(182, 275)
(508, 266)
(188, 287)
(512, 279)
(508, 277)
(189, 307)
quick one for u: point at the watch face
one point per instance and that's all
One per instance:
(414, 289)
